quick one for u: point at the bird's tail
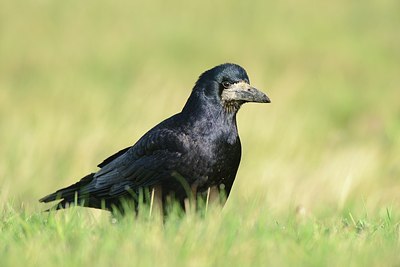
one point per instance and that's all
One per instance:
(70, 195)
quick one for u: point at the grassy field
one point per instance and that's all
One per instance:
(319, 181)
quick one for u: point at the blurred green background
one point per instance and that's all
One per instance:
(81, 80)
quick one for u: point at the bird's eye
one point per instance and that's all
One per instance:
(226, 84)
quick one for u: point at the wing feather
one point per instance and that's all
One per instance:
(152, 159)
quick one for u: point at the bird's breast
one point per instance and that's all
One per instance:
(215, 161)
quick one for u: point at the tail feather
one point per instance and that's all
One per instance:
(70, 195)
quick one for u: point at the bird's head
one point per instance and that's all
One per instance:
(229, 85)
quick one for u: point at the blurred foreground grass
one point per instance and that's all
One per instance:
(78, 81)
(234, 237)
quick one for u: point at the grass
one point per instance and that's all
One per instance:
(319, 178)
(250, 237)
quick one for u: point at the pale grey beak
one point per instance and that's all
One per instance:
(243, 91)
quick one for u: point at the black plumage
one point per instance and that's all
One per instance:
(188, 153)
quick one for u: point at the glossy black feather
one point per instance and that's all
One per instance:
(199, 145)
(112, 157)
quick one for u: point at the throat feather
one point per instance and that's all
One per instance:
(231, 106)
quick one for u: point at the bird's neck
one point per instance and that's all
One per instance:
(212, 118)
(210, 108)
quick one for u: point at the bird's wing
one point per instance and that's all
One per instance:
(112, 157)
(150, 160)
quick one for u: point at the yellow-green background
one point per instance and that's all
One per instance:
(80, 80)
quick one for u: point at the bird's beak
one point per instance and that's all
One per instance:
(243, 91)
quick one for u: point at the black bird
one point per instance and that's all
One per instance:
(186, 154)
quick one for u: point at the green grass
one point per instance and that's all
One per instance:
(319, 179)
(237, 236)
